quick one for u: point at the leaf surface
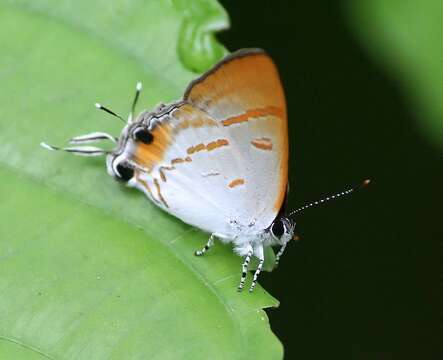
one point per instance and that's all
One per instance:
(91, 269)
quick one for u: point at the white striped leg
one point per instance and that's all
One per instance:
(206, 247)
(258, 252)
(280, 253)
(245, 270)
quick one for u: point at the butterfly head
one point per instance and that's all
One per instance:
(282, 229)
(122, 162)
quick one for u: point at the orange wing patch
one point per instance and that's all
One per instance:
(236, 182)
(244, 80)
(262, 143)
(148, 155)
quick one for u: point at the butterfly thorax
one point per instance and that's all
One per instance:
(279, 233)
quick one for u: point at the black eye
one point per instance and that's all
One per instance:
(144, 136)
(278, 229)
(126, 173)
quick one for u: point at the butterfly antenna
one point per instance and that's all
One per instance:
(138, 90)
(101, 107)
(92, 137)
(331, 197)
(77, 150)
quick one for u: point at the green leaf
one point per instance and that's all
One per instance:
(90, 269)
(406, 36)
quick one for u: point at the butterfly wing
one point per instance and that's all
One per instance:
(219, 158)
(244, 93)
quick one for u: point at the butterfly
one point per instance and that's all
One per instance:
(216, 159)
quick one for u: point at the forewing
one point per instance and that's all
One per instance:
(244, 93)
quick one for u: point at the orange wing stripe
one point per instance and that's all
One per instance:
(181, 160)
(160, 196)
(254, 113)
(210, 146)
(262, 143)
(162, 171)
(236, 182)
(145, 185)
(216, 144)
(195, 123)
(191, 117)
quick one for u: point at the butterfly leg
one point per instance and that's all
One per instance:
(206, 247)
(258, 252)
(280, 253)
(245, 269)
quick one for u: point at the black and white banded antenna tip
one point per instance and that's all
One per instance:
(138, 89)
(363, 184)
(101, 107)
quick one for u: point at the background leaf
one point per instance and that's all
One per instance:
(405, 36)
(91, 269)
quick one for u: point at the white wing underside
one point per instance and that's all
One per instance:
(198, 191)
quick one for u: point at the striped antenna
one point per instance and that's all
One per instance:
(92, 137)
(77, 150)
(101, 107)
(331, 197)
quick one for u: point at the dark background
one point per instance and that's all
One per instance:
(365, 281)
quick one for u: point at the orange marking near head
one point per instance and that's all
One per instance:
(186, 116)
(160, 196)
(148, 155)
(210, 146)
(254, 113)
(262, 143)
(236, 182)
